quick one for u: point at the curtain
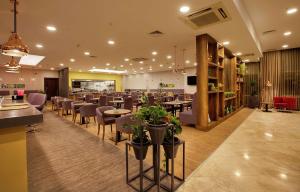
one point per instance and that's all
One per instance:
(282, 69)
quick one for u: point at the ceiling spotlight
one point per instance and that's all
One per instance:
(111, 42)
(169, 56)
(195, 64)
(51, 28)
(94, 67)
(87, 53)
(52, 68)
(226, 43)
(291, 11)
(150, 69)
(130, 64)
(72, 60)
(246, 60)
(154, 53)
(153, 59)
(238, 54)
(39, 46)
(170, 67)
(187, 61)
(141, 68)
(107, 64)
(285, 46)
(61, 64)
(121, 65)
(161, 65)
(141, 62)
(79, 70)
(287, 33)
(184, 9)
(126, 59)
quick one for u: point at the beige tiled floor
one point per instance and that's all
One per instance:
(263, 154)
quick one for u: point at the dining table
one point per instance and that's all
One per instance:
(117, 113)
(175, 104)
(118, 103)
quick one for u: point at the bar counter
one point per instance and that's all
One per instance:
(13, 155)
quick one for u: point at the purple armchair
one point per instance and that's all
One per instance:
(128, 103)
(189, 117)
(88, 111)
(121, 123)
(38, 100)
(102, 100)
(104, 120)
(66, 107)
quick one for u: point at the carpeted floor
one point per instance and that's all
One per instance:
(64, 157)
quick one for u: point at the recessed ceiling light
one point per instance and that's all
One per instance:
(195, 64)
(141, 62)
(161, 65)
(94, 67)
(291, 11)
(87, 53)
(226, 43)
(39, 45)
(285, 46)
(153, 59)
(61, 64)
(51, 28)
(121, 65)
(238, 54)
(70, 68)
(130, 64)
(246, 60)
(170, 67)
(187, 61)
(287, 33)
(52, 68)
(141, 68)
(79, 70)
(126, 59)
(184, 9)
(154, 53)
(150, 69)
(107, 64)
(72, 60)
(169, 56)
(111, 42)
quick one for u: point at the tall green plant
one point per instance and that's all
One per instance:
(153, 114)
(175, 124)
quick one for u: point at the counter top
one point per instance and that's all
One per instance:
(14, 118)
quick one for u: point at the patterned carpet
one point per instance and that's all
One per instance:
(63, 157)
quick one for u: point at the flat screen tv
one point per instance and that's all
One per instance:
(192, 80)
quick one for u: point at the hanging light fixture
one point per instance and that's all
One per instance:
(13, 66)
(183, 71)
(176, 67)
(14, 46)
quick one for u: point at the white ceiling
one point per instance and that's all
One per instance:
(90, 24)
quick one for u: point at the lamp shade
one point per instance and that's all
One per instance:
(14, 46)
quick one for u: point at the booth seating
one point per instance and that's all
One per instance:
(285, 102)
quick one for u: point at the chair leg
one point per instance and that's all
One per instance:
(110, 127)
(103, 132)
(75, 116)
(94, 119)
(98, 128)
(87, 122)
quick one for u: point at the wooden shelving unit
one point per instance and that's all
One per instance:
(211, 58)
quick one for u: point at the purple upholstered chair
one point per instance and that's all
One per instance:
(66, 107)
(189, 117)
(88, 98)
(102, 100)
(88, 111)
(128, 103)
(75, 110)
(121, 123)
(38, 100)
(104, 120)
(108, 99)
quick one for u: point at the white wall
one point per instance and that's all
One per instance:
(152, 80)
(32, 78)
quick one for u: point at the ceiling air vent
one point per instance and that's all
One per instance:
(213, 14)
(156, 33)
(139, 59)
(268, 32)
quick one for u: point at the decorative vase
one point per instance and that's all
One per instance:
(168, 148)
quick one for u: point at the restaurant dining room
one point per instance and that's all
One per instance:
(136, 95)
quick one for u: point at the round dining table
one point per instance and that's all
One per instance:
(117, 113)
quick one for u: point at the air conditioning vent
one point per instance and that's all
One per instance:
(156, 33)
(214, 14)
(268, 32)
(138, 59)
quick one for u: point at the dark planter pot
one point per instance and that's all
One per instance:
(168, 148)
(157, 133)
(253, 101)
(137, 148)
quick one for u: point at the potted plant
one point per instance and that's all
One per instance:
(154, 118)
(168, 139)
(140, 141)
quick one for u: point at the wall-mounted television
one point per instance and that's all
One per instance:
(192, 80)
